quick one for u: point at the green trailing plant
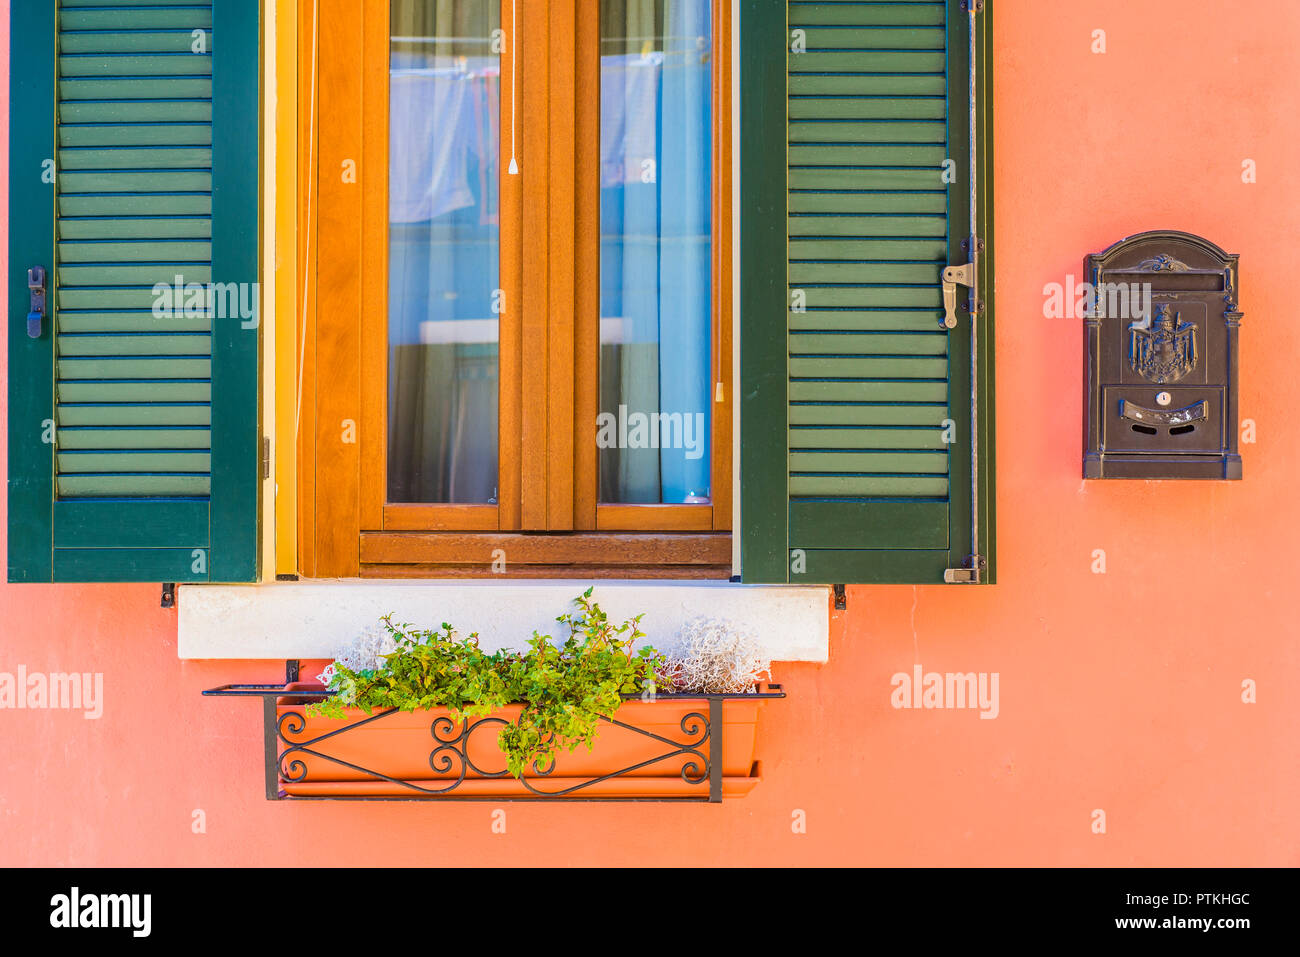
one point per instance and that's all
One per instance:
(565, 687)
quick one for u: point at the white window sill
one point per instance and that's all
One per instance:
(314, 619)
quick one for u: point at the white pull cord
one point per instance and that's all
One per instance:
(311, 166)
(514, 83)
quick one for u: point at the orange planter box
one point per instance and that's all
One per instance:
(650, 749)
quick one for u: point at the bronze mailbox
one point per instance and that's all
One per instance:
(1160, 360)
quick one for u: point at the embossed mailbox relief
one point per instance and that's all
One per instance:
(1160, 360)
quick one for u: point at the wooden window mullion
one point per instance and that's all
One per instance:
(533, 131)
(586, 266)
(559, 292)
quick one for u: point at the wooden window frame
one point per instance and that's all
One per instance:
(548, 522)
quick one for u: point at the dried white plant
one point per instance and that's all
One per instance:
(367, 651)
(716, 656)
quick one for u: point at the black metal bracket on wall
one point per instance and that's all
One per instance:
(705, 730)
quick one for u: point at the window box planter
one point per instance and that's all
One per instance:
(673, 748)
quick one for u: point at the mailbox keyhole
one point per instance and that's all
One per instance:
(1182, 430)
(1145, 430)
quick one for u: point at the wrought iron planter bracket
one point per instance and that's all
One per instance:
(699, 728)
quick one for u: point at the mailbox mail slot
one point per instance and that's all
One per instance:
(1160, 360)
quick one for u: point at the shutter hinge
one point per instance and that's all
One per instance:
(266, 457)
(972, 6)
(168, 595)
(971, 573)
(841, 601)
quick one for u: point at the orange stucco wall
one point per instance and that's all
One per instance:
(1118, 691)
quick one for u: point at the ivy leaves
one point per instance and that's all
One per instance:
(565, 688)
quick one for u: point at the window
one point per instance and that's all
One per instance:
(515, 321)
(444, 251)
(519, 342)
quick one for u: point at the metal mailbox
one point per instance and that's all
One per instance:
(1160, 360)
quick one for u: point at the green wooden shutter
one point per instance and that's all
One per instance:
(133, 430)
(857, 432)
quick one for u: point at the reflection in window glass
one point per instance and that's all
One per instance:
(445, 97)
(655, 194)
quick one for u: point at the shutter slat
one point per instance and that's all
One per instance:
(805, 273)
(133, 345)
(134, 439)
(152, 486)
(850, 178)
(892, 367)
(127, 158)
(813, 224)
(138, 42)
(129, 66)
(80, 275)
(872, 61)
(916, 84)
(859, 297)
(867, 108)
(868, 391)
(868, 463)
(842, 201)
(199, 392)
(829, 438)
(136, 111)
(127, 321)
(841, 414)
(187, 18)
(863, 14)
(867, 131)
(857, 320)
(126, 227)
(867, 486)
(131, 415)
(135, 460)
(136, 88)
(139, 298)
(165, 181)
(878, 37)
(928, 157)
(859, 250)
(117, 135)
(133, 367)
(153, 250)
(877, 344)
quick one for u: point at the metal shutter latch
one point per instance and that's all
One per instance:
(953, 277)
(36, 287)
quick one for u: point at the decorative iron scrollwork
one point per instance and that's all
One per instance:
(452, 753)
(699, 748)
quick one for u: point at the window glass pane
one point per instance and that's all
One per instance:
(656, 236)
(444, 240)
